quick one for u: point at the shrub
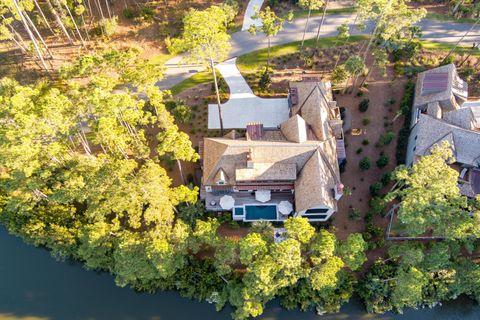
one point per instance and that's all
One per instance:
(366, 121)
(383, 160)
(354, 214)
(405, 107)
(365, 142)
(386, 178)
(180, 110)
(128, 13)
(467, 73)
(375, 189)
(377, 204)
(109, 26)
(363, 106)
(365, 164)
(359, 150)
(387, 138)
(264, 81)
(146, 13)
(448, 60)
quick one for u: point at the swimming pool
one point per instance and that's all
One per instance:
(260, 212)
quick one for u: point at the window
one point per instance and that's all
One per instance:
(316, 217)
(317, 210)
(220, 182)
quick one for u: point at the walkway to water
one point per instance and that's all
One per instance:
(243, 106)
(252, 6)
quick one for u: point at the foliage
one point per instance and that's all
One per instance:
(365, 164)
(339, 75)
(363, 105)
(180, 110)
(375, 189)
(403, 135)
(382, 160)
(430, 198)
(387, 138)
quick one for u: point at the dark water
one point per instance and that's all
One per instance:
(33, 286)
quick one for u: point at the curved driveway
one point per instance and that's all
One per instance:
(242, 42)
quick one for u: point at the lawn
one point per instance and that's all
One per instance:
(252, 61)
(440, 46)
(301, 13)
(196, 79)
(445, 17)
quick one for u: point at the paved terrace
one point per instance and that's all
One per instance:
(242, 198)
(243, 106)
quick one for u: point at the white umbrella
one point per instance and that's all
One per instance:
(263, 195)
(285, 207)
(227, 202)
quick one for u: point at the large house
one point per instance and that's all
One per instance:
(442, 112)
(274, 173)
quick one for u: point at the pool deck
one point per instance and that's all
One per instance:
(242, 198)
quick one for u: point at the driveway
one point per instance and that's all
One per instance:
(242, 42)
(243, 106)
(249, 12)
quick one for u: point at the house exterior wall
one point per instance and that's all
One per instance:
(411, 147)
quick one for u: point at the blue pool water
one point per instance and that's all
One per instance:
(267, 212)
(238, 211)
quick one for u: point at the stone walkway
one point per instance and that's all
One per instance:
(243, 106)
(249, 12)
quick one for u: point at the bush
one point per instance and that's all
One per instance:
(128, 13)
(180, 110)
(386, 178)
(365, 164)
(109, 26)
(354, 214)
(363, 106)
(387, 138)
(359, 150)
(448, 60)
(383, 160)
(146, 13)
(375, 189)
(264, 81)
(366, 121)
(365, 142)
(377, 204)
(405, 107)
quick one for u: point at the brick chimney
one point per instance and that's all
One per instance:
(250, 162)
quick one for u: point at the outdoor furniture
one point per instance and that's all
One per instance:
(356, 132)
(227, 202)
(285, 207)
(263, 195)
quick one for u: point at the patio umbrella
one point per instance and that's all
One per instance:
(227, 202)
(285, 207)
(263, 195)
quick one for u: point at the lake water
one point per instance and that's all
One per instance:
(33, 286)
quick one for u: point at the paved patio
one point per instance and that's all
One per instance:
(243, 106)
(242, 198)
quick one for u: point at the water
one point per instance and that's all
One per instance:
(33, 286)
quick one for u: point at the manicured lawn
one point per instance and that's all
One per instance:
(440, 46)
(161, 58)
(254, 60)
(444, 17)
(196, 79)
(304, 13)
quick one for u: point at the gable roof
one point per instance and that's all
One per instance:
(232, 154)
(466, 143)
(295, 129)
(317, 180)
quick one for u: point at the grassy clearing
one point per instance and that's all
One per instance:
(304, 13)
(254, 60)
(161, 58)
(196, 79)
(440, 46)
(445, 17)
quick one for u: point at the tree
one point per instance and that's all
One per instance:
(430, 198)
(271, 25)
(380, 60)
(299, 229)
(324, 13)
(206, 40)
(310, 5)
(352, 251)
(355, 67)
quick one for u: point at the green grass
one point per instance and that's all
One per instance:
(256, 59)
(440, 46)
(304, 13)
(445, 17)
(196, 79)
(161, 58)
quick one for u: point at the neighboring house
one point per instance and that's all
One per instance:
(442, 112)
(273, 173)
